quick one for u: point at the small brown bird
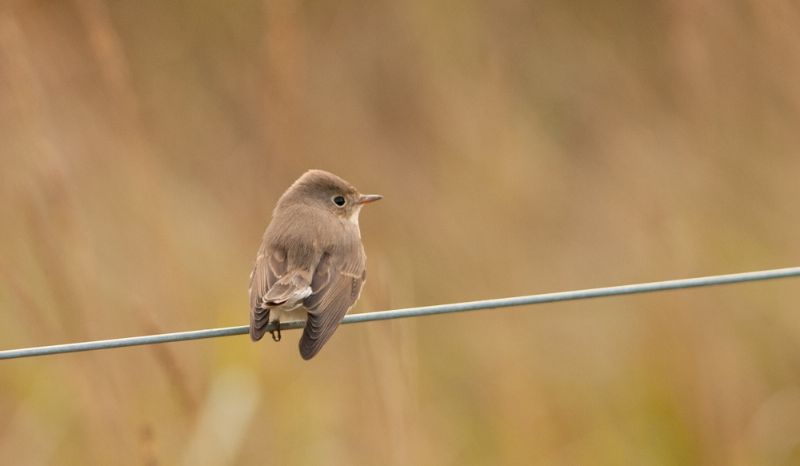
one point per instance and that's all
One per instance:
(311, 264)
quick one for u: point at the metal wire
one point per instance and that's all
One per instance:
(416, 311)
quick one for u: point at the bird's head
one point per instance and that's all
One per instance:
(329, 192)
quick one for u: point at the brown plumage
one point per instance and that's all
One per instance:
(311, 260)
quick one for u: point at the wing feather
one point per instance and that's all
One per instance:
(336, 286)
(269, 268)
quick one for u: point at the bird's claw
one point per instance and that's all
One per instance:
(276, 334)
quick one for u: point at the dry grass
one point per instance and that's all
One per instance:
(522, 147)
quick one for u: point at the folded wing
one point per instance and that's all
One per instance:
(269, 268)
(336, 286)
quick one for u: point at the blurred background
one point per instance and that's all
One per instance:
(522, 147)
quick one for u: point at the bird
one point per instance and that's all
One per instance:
(311, 264)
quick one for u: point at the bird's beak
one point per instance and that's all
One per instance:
(367, 198)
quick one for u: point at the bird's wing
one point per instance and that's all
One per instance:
(290, 289)
(335, 287)
(270, 267)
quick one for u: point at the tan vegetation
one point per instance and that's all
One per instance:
(521, 147)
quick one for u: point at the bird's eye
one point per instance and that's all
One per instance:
(339, 200)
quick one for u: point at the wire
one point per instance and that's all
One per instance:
(416, 311)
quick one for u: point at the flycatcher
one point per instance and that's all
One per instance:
(311, 264)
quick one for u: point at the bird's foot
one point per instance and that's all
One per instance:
(276, 334)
